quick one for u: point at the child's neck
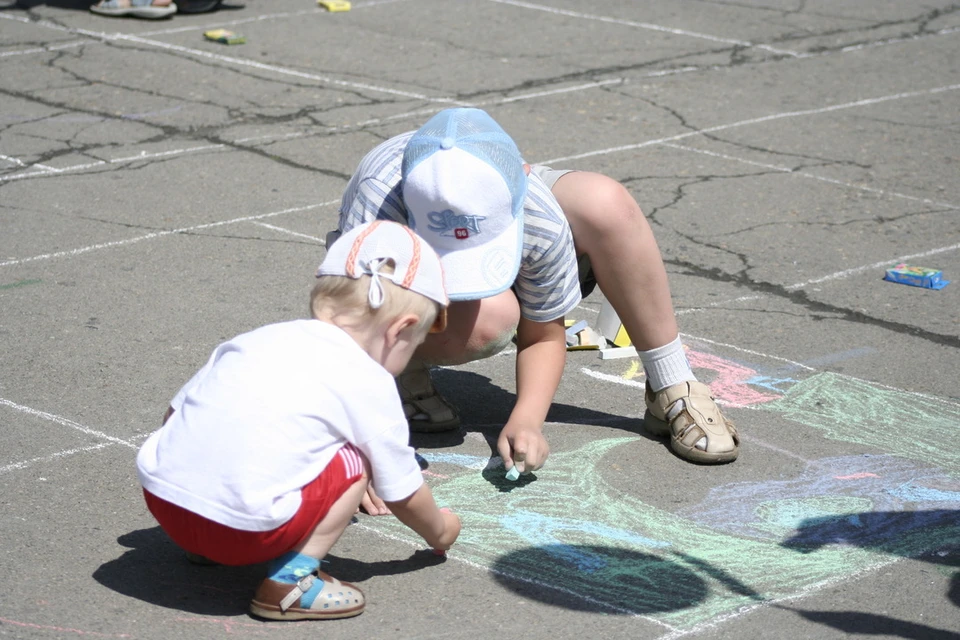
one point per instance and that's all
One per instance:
(368, 335)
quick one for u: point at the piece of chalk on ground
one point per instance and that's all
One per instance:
(513, 474)
(334, 5)
(618, 352)
(224, 36)
(439, 552)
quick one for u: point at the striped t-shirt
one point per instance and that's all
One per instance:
(547, 284)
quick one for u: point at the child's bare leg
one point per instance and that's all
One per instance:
(319, 543)
(610, 228)
(295, 588)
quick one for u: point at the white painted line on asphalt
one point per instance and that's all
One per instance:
(812, 176)
(241, 62)
(16, 466)
(870, 267)
(750, 121)
(832, 276)
(802, 593)
(644, 25)
(161, 32)
(64, 422)
(143, 155)
(160, 234)
(319, 241)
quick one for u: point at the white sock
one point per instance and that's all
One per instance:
(666, 366)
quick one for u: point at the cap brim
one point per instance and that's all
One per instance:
(486, 270)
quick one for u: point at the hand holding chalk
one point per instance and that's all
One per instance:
(513, 474)
(451, 529)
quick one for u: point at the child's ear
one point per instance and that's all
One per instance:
(398, 326)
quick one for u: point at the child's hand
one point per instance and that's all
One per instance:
(451, 529)
(372, 504)
(523, 446)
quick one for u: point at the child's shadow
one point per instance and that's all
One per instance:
(155, 570)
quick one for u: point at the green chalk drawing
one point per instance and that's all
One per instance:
(855, 411)
(18, 284)
(638, 558)
(602, 550)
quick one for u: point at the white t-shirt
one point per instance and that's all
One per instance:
(265, 416)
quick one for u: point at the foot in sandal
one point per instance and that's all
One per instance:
(690, 416)
(426, 410)
(316, 596)
(148, 9)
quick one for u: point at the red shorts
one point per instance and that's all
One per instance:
(226, 545)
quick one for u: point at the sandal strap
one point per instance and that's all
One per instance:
(303, 585)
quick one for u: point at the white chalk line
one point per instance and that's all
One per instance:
(742, 123)
(160, 234)
(812, 176)
(876, 265)
(242, 62)
(16, 466)
(452, 555)
(643, 25)
(43, 415)
(833, 276)
(297, 234)
(766, 356)
(143, 155)
(802, 593)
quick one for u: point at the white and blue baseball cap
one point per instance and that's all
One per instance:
(464, 186)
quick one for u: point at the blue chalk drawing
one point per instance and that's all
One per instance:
(745, 542)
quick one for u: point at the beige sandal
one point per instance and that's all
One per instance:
(688, 413)
(426, 410)
(317, 596)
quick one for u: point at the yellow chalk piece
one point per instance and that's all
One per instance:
(334, 5)
(224, 36)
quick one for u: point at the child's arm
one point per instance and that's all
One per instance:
(420, 513)
(541, 354)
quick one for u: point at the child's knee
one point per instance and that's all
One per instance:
(475, 330)
(615, 207)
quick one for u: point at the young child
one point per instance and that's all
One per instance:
(520, 246)
(266, 452)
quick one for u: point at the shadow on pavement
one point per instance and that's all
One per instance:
(857, 623)
(612, 577)
(892, 532)
(155, 570)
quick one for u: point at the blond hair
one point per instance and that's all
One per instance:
(343, 296)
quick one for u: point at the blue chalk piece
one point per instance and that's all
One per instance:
(513, 474)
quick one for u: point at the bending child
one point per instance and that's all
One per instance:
(520, 246)
(266, 453)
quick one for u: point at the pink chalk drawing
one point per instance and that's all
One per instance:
(730, 386)
(857, 476)
(62, 630)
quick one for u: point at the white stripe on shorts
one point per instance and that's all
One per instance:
(352, 461)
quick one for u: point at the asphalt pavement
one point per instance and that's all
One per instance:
(161, 192)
